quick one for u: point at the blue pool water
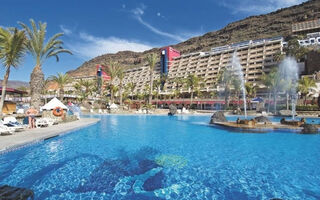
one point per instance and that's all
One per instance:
(161, 157)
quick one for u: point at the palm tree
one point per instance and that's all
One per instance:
(271, 81)
(131, 86)
(156, 89)
(225, 79)
(62, 80)
(192, 82)
(294, 49)
(178, 84)
(112, 71)
(12, 50)
(41, 51)
(151, 60)
(83, 88)
(304, 86)
(251, 91)
(236, 84)
(121, 74)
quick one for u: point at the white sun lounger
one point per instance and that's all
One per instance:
(7, 128)
(44, 122)
(12, 121)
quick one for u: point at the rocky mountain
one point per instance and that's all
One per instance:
(277, 23)
(16, 84)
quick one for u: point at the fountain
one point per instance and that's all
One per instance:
(289, 72)
(235, 64)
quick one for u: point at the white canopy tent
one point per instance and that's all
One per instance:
(53, 104)
(114, 106)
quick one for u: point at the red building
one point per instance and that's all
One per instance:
(166, 57)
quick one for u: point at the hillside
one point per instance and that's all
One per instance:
(277, 23)
(16, 84)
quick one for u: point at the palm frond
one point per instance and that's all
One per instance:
(12, 46)
(38, 47)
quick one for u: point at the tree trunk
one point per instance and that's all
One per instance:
(111, 93)
(4, 87)
(239, 99)
(61, 93)
(275, 102)
(269, 97)
(191, 98)
(305, 99)
(120, 91)
(226, 98)
(36, 86)
(287, 99)
(151, 87)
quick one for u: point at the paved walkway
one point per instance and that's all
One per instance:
(34, 135)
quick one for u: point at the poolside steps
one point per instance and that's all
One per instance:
(14, 193)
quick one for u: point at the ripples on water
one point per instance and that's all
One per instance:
(160, 157)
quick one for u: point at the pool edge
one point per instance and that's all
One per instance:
(39, 137)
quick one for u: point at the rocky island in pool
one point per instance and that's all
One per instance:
(262, 124)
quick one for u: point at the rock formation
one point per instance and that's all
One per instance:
(172, 110)
(262, 119)
(218, 117)
(309, 129)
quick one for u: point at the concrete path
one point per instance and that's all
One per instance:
(28, 136)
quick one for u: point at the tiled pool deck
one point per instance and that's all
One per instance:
(30, 136)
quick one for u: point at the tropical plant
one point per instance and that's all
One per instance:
(120, 75)
(236, 84)
(131, 87)
(12, 50)
(294, 49)
(112, 71)
(146, 93)
(61, 80)
(251, 91)
(271, 81)
(41, 51)
(83, 88)
(156, 89)
(304, 86)
(225, 79)
(178, 85)
(151, 60)
(192, 82)
(23, 88)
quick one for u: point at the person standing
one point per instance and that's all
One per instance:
(31, 113)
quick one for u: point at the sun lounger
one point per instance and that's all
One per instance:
(7, 128)
(45, 122)
(41, 122)
(12, 122)
(5, 131)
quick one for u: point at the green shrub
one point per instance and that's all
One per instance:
(307, 108)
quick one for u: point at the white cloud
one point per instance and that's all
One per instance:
(138, 13)
(65, 30)
(258, 6)
(90, 46)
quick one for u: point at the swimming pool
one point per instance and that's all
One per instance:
(161, 157)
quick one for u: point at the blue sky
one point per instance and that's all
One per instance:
(96, 27)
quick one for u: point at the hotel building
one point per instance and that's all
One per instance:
(256, 57)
